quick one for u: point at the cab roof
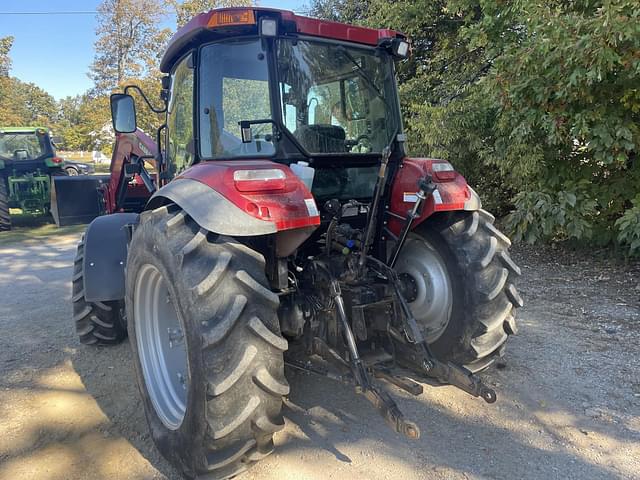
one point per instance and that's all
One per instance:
(198, 30)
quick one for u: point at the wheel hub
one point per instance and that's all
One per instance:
(426, 286)
(161, 346)
(409, 287)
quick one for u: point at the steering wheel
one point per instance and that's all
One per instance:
(360, 141)
(21, 154)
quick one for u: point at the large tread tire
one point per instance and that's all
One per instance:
(96, 323)
(5, 217)
(485, 298)
(234, 347)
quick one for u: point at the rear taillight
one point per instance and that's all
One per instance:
(443, 171)
(57, 160)
(263, 180)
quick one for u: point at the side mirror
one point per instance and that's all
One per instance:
(245, 132)
(123, 113)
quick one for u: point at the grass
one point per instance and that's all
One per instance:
(35, 228)
(21, 234)
(102, 168)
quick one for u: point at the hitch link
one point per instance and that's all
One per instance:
(463, 379)
(382, 401)
(449, 373)
(446, 373)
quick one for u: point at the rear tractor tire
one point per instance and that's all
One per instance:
(460, 275)
(5, 217)
(97, 323)
(207, 347)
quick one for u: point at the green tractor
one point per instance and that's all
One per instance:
(27, 162)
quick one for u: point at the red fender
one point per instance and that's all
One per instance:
(452, 191)
(286, 203)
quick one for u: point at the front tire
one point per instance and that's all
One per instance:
(225, 324)
(96, 323)
(5, 217)
(468, 310)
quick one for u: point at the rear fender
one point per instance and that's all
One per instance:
(452, 192)
(210, 209)
(105, 257)
(208, 193)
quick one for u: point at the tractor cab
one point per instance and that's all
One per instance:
(28, 160)
(252, 83)
(26, 150)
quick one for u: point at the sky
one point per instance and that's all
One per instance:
(55, 51)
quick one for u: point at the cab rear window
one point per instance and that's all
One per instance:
(22, 146)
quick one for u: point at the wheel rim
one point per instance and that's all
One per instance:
(161, 347)
(72, 172)
(423, 266)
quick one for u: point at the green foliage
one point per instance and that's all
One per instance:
(560, 214)
(571, 78)
(347, 11)
(25, 104)
(536, 103)
(629, 227)
(83, 123)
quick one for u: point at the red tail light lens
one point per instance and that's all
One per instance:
(443, 171)
(57, 160)
(263, 180)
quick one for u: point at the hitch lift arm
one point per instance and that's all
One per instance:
(446, 373)
(380, 399)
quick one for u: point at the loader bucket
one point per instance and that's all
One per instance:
(77, 200)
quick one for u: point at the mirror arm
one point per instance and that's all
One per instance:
(148, 102)
(159, 157)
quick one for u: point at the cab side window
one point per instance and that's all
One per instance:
(180, 117)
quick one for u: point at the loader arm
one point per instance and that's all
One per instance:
(123, 193)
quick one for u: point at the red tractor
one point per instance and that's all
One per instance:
(283, 224)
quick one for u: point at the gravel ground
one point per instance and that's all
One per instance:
(568, 391)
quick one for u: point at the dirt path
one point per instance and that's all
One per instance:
(568, 405)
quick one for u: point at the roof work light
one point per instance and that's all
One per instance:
(268, 27)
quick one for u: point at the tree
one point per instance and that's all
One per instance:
(24, 104)
(187, 9)
(129, 41)
(347, 11)
(5, 60)
(566, 86)
(537, 103)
